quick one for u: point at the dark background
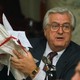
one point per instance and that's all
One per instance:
(11, 8)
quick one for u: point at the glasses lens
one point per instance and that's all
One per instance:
(55, 26)
(66, 27)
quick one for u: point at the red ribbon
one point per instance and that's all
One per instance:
(7, 39)
(11, 37)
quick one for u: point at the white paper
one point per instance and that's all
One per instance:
(6, 23)
(7, 49)
(5, 32)
(22, 37)
(18, 34)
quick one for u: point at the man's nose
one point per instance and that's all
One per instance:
(60, 30)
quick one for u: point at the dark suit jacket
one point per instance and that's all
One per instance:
(65, 65)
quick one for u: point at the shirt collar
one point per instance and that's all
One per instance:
(48, 50)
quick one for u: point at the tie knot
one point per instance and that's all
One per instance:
(51, 55)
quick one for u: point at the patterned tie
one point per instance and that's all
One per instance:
(51, 55)
(49, 67)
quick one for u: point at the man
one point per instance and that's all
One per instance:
(58, 25)
(76, 76)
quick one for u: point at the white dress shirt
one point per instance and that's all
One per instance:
(41, 75)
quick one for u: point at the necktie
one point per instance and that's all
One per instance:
(51, 55)
(49, 68)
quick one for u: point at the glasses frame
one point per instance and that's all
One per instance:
(66, 27)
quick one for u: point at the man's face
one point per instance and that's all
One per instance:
(58, 38)
(76, 76)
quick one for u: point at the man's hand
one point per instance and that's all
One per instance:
(25, 64)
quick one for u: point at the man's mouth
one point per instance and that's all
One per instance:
(60, 38)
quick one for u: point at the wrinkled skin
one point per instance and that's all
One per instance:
(25, 64)
(58, 40)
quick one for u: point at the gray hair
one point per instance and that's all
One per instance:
(59, 10)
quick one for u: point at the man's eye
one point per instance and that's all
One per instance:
(66, 25)
(55, 26)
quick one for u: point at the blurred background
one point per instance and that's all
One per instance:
(27, 15)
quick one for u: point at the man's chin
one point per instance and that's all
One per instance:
(59, 45)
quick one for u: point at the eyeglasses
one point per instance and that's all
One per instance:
(56, 26)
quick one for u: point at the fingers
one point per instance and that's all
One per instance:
(15, 62)
(14, 59)
(19, 55)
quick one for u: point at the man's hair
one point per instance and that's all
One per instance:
(60, 10)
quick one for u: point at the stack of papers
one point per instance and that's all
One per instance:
(8, 43)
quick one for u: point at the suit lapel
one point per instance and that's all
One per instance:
(63, 61)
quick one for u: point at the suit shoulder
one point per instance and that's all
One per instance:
(74, 45)
(39, 41)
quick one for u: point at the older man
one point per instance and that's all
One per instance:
(58, 25)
